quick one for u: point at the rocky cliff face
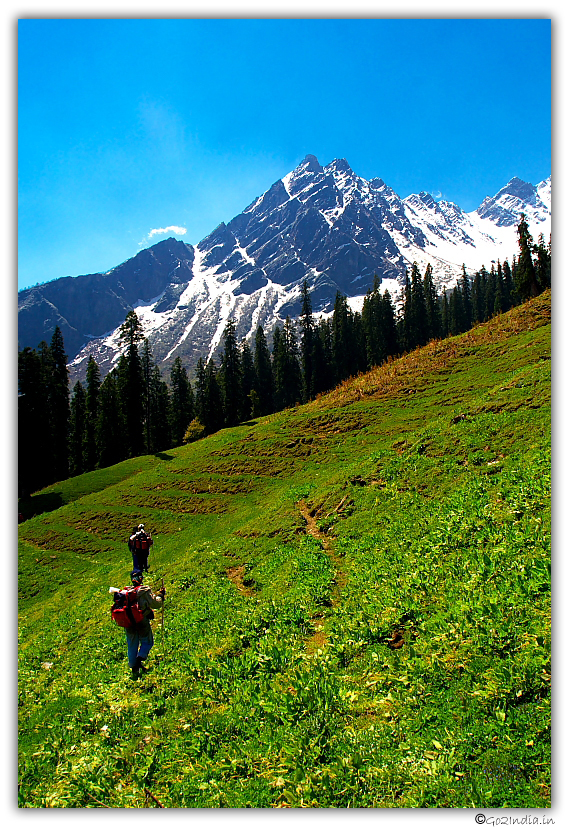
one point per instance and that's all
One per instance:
(87, 307)
(324, 224)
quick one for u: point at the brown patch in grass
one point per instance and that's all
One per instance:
(318, 640)
(236, 576)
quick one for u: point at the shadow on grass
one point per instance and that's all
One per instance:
(29, 507)
(163, 456)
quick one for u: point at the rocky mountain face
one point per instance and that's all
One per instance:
(324, 224)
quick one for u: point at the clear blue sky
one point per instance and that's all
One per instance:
(128, 126)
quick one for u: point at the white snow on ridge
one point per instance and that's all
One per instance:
(287, 182)
(451, 239)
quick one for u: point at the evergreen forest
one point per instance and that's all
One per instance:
(134, 411)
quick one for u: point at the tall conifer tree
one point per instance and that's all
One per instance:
(526, 282)
(230, 375)
(77, 430)
(200, 385)
(93, 382)
(182, 407)
(131, 383)
(263, 373)
(433, 317)
(34, 433)
(542, 264)
(388, 323)
(307, 347)
(111, 429)
(214, 406)
(248, 394)
(59, 404)
(466, 297)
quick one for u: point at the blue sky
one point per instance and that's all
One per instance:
(129, 126)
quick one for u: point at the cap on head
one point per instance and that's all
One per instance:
(141, 525)
(136, 576)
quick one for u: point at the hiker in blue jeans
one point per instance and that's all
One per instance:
(139, 547)
(140, 638)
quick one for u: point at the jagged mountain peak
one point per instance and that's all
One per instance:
(520, 189)
(310, 163)
(339, 165)
(517, 197)
(327, 225)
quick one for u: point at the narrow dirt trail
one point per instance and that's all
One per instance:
(319, 638)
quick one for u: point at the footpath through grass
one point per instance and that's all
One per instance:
(358, 606)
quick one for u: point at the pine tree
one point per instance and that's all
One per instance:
(455, 312)
(182, 402)
(445, 330)
(509, 288)
(93, 382)
(341, 339)
(145, 394)
(77, 430)
(209, 404)
(264, 386)
(501, 304)
(47, 372)
(515, 295)
(307, 343)
(357, 339)
(324, 374)
(466, 300)
(230, 375)
(214, 408)
(131, 384)
(111, 431)
(248, 394)
(404, 324)
(294, 376)
(159, 413)
(542, 263)
(372, 326)
(388, 325)
(490, 293)
(418, 324)
(433, 316)
(34, 434)
(525, 278)
(59, 405)
(478, 297)
(286, 369)
(200, 385)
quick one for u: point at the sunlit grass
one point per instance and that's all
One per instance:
(275, 682)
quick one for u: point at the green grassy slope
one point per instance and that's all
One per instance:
(358, 601)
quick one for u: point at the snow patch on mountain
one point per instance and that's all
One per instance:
(327, 225)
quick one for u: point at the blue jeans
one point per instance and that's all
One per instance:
(139, 642)
(140, 561)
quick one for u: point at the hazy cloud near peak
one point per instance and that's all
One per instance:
(158, 231)
(161, 231)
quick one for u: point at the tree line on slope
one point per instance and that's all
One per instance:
(133, 411)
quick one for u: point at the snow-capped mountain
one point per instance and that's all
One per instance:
(324, 224)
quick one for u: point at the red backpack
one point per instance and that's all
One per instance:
(142, 541)
(125, 610)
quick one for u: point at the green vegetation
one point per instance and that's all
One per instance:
(134, 412)
(357, 600)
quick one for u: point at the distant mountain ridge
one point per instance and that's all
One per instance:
(324, 224)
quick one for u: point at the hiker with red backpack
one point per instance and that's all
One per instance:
(133, 610)
(139, 546)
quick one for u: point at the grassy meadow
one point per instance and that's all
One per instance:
(358, 601)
